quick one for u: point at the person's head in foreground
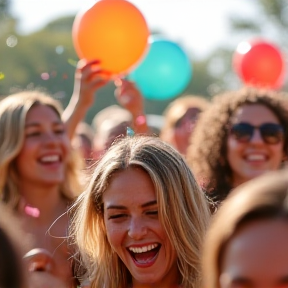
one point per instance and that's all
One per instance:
(142, 220)
(12, 247)
(241, 136)
(246, 244)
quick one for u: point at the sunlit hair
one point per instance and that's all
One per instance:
(13, 111)
(183, 211)
(177, 109)
(263, 198)
(207, 153)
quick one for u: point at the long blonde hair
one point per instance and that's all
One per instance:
(13, 111)
(183, 211)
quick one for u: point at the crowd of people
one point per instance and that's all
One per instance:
(201, 202)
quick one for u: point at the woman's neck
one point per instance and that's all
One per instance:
(44, 202)
(169, 281)
(164, 285)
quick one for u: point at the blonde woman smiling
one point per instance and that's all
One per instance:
(142, 220)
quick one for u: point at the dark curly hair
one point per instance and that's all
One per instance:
(207, 152)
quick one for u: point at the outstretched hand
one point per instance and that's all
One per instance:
(89, 77)
(129, 96)
(42, 270)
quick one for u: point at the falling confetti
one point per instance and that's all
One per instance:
(11, 41)
(59, 49)
(45, 76)
(2, 75)
(72, 62)
(130, 132)
(32, 211)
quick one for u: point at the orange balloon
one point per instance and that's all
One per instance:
(112, 31)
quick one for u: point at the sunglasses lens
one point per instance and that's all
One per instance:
(242, 132)
(272, 133)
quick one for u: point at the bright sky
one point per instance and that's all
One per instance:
(198, 25)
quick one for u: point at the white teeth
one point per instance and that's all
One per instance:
(255, 157)
(49, 159)
(144, 248)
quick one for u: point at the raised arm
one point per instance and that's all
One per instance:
(130, 98)
(89, 77)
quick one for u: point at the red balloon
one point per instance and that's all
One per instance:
(259, 63)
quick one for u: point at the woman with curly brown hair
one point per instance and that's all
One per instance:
(241, 136)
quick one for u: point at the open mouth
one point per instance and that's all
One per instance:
(48, 160)
(145, 255)
(255, 157)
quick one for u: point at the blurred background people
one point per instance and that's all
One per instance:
(83, 141)
(241, 136)
(108, 124)
(246, 244)
(180, 118)
(39, 173)
(155, 123)
(112, 121)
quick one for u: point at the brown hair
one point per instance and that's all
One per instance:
(265, 197)
(207, 152)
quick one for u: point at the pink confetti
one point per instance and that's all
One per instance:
(32, 211)
(140, 120)
(45, 76)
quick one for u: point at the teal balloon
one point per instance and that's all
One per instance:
(165, 71)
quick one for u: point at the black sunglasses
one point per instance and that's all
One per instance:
(271, 133)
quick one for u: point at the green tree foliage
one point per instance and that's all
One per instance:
(46, 60)
(271, 23)
(4, 8)
(271, 20)
(41, 59)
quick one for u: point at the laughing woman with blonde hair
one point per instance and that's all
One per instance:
(38, 176)
(142, 220)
